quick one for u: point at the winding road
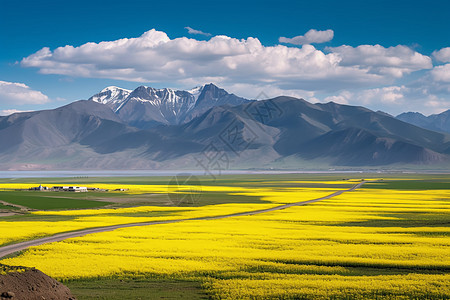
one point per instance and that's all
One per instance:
(10, 249)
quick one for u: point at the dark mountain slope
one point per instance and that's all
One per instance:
(386, 126)
(437, 122)
(82, 122)
(359, 147)
(345, 135)
(253, 134)
(213, 96)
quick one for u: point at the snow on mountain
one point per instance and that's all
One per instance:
(196, 92)
(147, 107)
(113, 96)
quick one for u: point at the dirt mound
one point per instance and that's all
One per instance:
(31, 284)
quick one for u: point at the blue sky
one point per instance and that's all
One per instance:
(386, 55)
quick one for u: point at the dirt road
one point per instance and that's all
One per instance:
(22, 208)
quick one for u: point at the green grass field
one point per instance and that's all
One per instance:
(48, 200)
(142, 288)
(430, 184)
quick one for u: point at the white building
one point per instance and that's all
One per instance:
(77, 189)
(70, 188)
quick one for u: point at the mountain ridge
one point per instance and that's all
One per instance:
(436, 122)
(146, 107)
(279, 132)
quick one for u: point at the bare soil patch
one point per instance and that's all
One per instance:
(32, 284)
(7, 214)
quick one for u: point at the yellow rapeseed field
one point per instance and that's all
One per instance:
(370, 243)
(87, 218)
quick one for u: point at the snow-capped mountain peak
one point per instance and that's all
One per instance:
(111, 94)
(113, 88)
(146, 107)
(196, 91)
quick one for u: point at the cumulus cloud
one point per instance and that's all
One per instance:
(391, 95)
(20, 94)
(342, 98)
(311, 37)
(266, 91)
(442, 55)
(441, 73)
(376, 59)
(395, 99)
(154, 57)
(195, 31)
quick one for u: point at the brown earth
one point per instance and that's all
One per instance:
(7, 214)
(32, 284)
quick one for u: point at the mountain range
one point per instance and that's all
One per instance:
(146, 107)
(437, 122)
(208, 128)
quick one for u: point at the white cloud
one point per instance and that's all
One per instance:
(442, 55)
(342, 98)
(20, 94)
(441, 73)
(395, 99)
(391, 95)
(265, 91)
(311, 37)
(7, 112)
(154, 57)
(195, 31)
(393, 61)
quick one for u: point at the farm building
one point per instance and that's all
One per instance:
(39, 188)
(70, 188)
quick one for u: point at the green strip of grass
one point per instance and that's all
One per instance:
(33, 218)
(8, 207)
(410, 185)
(405, 220)
(47, 200)
(142, 288)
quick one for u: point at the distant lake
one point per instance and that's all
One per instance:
(140, 173)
